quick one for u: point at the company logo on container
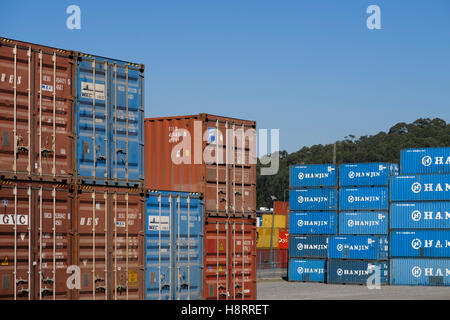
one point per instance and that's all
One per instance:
(435, 272)
(302, 199)
(352, 199)
(416, 215)
(319, 175)
(355, 247)
(300, 270)
(428, 161)
(417, 244)
(299, 246)
(314, 223)
(340, 272)
(416, 187)
(353, 174)
(362, 223)
(416, 272)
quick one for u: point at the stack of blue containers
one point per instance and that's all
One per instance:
(420, 218)
(361, 248)
(312, 219)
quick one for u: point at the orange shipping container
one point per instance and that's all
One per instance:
(230, 259)
(207, 154)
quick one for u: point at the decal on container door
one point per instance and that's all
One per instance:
(87, 89)
(157, 223)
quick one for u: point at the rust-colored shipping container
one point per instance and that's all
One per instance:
(108, 250)
(36, 112)
(35, 240)
(196, 153)
(230, 259)
(281, 207)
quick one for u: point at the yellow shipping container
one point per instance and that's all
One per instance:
(264, 237)
(278, 222)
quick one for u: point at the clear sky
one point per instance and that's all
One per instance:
(310, 68)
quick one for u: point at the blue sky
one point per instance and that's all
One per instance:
(310, 68)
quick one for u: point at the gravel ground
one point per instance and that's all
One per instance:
(284, 290)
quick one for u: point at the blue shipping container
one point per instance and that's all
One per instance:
(358, 247)
(313, 175)
(420, 215)
(366, 174)
(358, 272)
(324, 222)
(420, 243)
(425, 160)
(109, 123)
(308, 246)
(364, 222)
(364, 198)
(307, 270)
(420, 272)
(420, 187)
(313, 199)
(173, 246)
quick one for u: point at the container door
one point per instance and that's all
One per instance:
(16, 108)
(53, 126)
(16, 252)
(126, 246)
(92, 249)
(53, 242)
(126, 115)
(188, 248)
(158, 247)
(92, 119)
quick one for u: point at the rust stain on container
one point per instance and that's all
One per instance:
(230, 259)
(109, 250)
(196, 153)
(35, 240)
(36, 103)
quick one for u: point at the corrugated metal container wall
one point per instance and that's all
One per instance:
(420, 243)
(313, 175)
(358, 272)
(279, 221)
(308, 246)
(366, 174)
(358, 247)
(230, 259)
(307, 270)
(364, 222)
(35, 240)
(281, 207)
(108, 250)
(109, 124)
(364, 198)
(420, 187)
(201, 162)
(313, 199)
(174, 246)
(420, 215)
(425, 160)
(420, 272)
(35, 88)
(267, 238)
(325, 222)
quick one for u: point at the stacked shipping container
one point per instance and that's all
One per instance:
(215, 157)
(71, 192)
(362, 244)
(312, 219)
(420, 211)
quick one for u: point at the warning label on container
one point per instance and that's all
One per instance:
(132, 278)
(157, 223)
(5, 261)
(87, 90)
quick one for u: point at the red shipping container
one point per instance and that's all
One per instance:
(36, 103)
(230, 259)
(281, 207)
(195, 153)
(108, 250)
(283, 241)
(35, 240)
